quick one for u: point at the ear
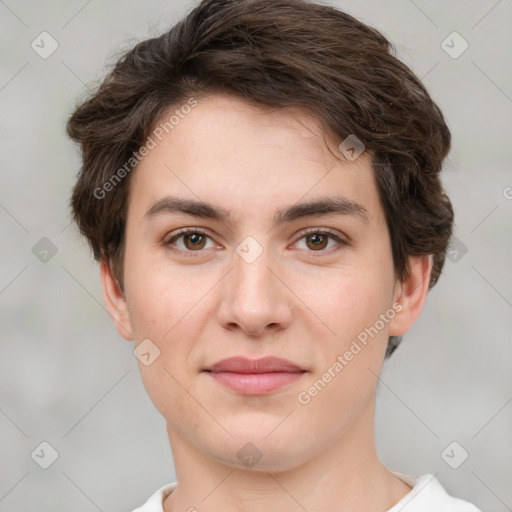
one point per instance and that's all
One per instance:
(411, 294)
(115, 301)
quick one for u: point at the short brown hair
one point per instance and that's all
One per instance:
(275, 53)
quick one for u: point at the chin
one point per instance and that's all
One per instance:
(259, 454)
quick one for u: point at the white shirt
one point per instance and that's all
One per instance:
(426, 495)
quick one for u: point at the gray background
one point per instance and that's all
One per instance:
(68, 378)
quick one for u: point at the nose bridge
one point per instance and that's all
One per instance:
(253, 297)
(252, 281)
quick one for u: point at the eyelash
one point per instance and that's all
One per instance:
(190, 253)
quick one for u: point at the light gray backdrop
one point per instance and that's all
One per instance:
(67, 378)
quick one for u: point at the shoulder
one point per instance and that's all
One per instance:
(427, 494)
(154, 502)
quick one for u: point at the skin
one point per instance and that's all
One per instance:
(297, 300)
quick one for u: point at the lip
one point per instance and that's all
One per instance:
(246, 365)
(255, 376)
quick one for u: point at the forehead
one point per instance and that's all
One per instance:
(229, 152)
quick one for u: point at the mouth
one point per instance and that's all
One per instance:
(255, 376)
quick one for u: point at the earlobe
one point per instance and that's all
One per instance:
(412, 294)
(115, 301)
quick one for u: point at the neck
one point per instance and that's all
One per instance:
(347, 476)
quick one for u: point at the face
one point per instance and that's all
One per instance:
(258, 274)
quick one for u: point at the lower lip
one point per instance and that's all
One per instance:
(256, 383)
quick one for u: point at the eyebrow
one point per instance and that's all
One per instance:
(339, 205)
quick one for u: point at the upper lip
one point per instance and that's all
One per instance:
(263, 365)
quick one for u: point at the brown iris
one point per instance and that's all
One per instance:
(318, 240)
(197, 241)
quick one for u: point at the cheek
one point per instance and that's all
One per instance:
(352, 356)
(346, 299)
(168, 390)
(162, 296)
(168, 306)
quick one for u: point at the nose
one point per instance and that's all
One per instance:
(254, 299)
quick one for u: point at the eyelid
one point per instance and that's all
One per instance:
(185, 231)
(327, 231)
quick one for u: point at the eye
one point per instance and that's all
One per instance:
(194, 240)
(319, 241)
(190, 240)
